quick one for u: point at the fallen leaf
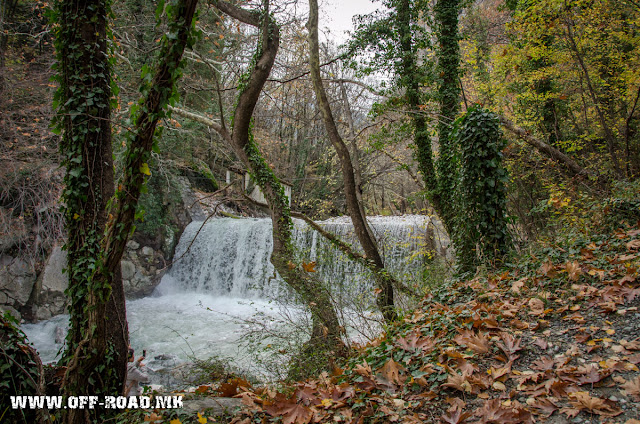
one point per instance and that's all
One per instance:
(544, 406)
(153, 417)
(604, 407)
(547, 269)
(499, 386)
(291, 413)
(541, 343)
(479, 343)
(458, 382)
(633, 244)
(309, 266)
(391, 371)
(573, 270)
(517, 285)
(632, 389)
(537, 306)
(454, 415)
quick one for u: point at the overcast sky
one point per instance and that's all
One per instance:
(336, 15)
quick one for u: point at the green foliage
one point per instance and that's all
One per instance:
(153, 212)
(83, 104)
(481, 234)
(18, 370)
(570, 74)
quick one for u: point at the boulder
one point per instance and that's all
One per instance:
(17, 279)
(128, 269)
(11, 310)
(147, 251)
(53, 279)
(215, 406)
(133, 245)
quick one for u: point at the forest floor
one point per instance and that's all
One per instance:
(554, 338)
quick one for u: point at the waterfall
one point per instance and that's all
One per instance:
(230, 257)
(221, 277)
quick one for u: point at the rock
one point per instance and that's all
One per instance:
(128, 269)
(17, 279)
(133, 245)
(147, 251)
(217, 406)
(192, 206)
(51, 300)
(53, 279)
(169, 241)
(43, 312)
(11, 310)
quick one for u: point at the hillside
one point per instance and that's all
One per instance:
(552, 338)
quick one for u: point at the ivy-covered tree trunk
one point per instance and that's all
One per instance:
(96, 345)
(327, 333)
(96, 353)
(410, 79)
(481, 233)
(448, 72)
(384, 280)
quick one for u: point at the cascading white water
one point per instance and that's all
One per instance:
(222, 276)
(230, 257)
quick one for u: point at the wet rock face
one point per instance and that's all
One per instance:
(50, 298)
(142, 269)
(17, 279)
(39, 294)
(41, 297)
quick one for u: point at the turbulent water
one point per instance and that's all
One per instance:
(222, 277)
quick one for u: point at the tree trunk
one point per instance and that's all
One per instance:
(85, 95)
(98, 338)
(354, 203)
(571, 166)
(327, 334)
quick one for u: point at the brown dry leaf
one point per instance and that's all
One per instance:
(391, 371)
(632, 345)
(232, 387)
(202, 389)
(632, 389)
(517, 285)
(544, 406)
(509, 345)
(499, 372)
(458, 382)
(249, 399)
(454, 415)
(364, 369)
(570, 412)
(497, 385)
(415, 342)
(541, 343)
(591, 374)
(494, 412)
(291, 413)
(573, 270)
(633, 244)
(537, 306)
(547, 269)
(479, 343)
(309, 266)
(153, 417)
(604, 407)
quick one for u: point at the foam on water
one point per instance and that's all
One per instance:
(222, 275)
